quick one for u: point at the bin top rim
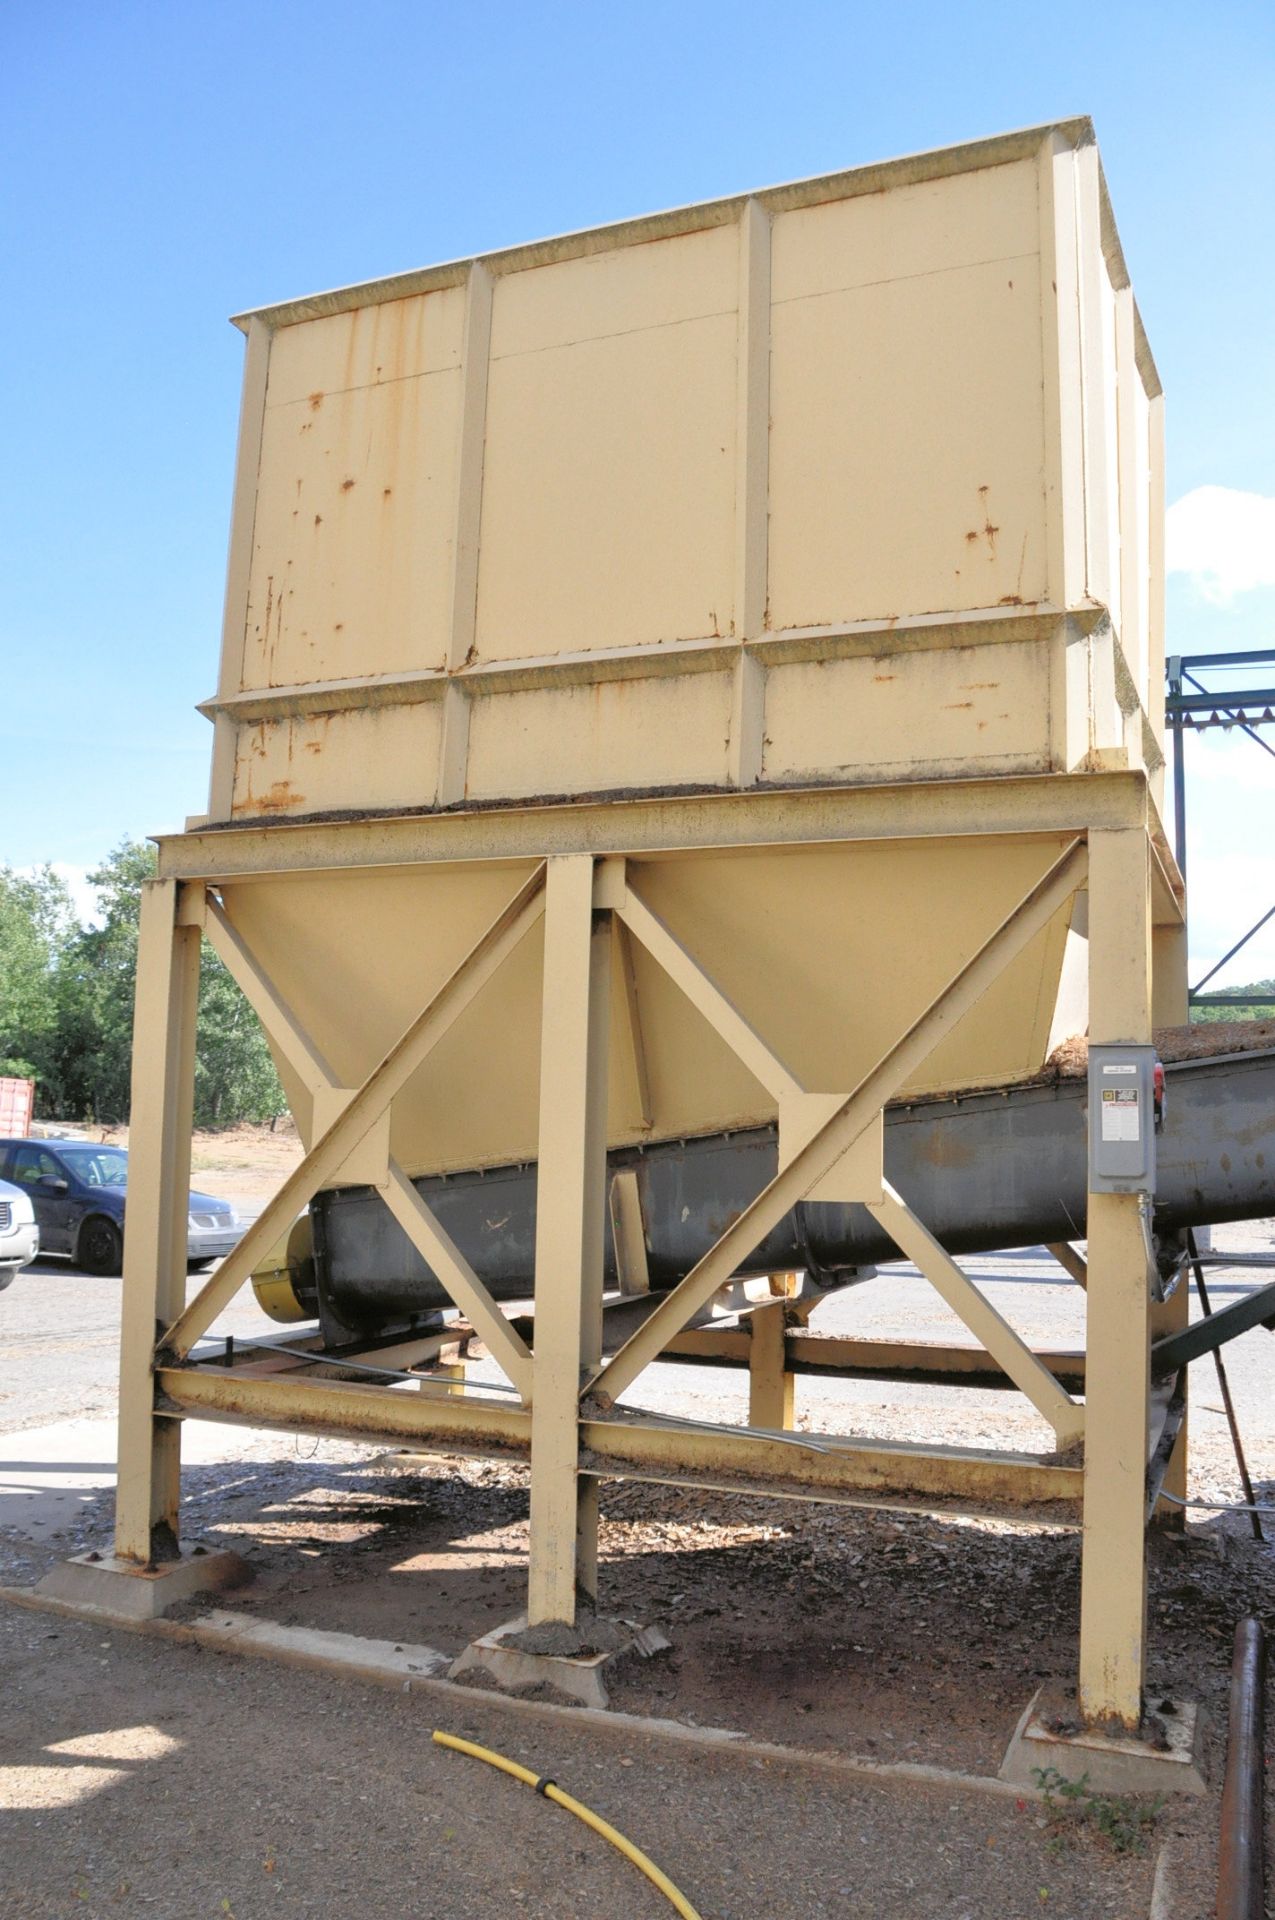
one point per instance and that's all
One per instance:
(934, 164)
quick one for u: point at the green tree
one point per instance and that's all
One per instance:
(235, 1077)
(95, 990)
(1265, 989)
(37, 922)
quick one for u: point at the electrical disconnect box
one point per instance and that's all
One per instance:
(1122, 1104)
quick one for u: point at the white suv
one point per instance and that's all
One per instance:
(19, 1235)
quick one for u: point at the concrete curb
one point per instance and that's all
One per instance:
(345, 1657)
(1163, 1896)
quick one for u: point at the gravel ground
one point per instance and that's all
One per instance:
(160, 1780)
(901, 1637)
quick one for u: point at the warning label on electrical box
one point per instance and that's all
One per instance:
(1120, 1113)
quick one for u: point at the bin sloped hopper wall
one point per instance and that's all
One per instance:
(827, 951)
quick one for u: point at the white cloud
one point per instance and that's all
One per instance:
(1224, 538)
(1226, 893)
(1231, 764)
(83, 897)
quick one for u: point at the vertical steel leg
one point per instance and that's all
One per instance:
(1169, 977)
(158, 1201)
(1169, 983)
(770, 1385)
(1118, 1310)
(570, 1222)
(1171, 1316)
(1179, 791)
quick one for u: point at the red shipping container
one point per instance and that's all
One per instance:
(17, 1103)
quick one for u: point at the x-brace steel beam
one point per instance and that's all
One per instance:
(434, 1245)
(1010, 1352)
(846, 1123)
(363, 1110)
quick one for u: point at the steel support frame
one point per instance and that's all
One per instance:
(1113, 1592)
(569, 1391)
(838, 1135)
(571, 1192)
(148, 1489)
(158, 1324)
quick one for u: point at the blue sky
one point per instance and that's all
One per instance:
(167, 165)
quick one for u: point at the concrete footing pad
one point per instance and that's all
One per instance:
(114, 1586)
(1112, 1763)
(579, 1675)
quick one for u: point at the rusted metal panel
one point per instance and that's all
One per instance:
(359, 443)
(451, 1423)
(825, 1466)
(909, 399)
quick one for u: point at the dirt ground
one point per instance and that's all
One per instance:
(247, 1164)
(844, 1631)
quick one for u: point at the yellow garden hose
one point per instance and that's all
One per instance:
(591, 1819)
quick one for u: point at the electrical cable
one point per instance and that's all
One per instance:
(494, 1386)
(550, 1790)
(833, 1441)
(321, 1358)
(1217, 1506)
(1255, 1518)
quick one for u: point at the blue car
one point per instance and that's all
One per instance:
(78, 1192)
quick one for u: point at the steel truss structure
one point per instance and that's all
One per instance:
(1097, 835)
(1193, 707)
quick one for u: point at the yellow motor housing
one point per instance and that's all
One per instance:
(280, 1279)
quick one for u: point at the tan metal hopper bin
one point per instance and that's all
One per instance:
(797, 487)
(851, 481)
(677, 676)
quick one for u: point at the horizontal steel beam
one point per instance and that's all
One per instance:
(345, 1410)
(1180, 663)
(831, 1357)
(1207, 1335)
(1046, 804)
(823, 1468)
(1229, 701)
(413, 686)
